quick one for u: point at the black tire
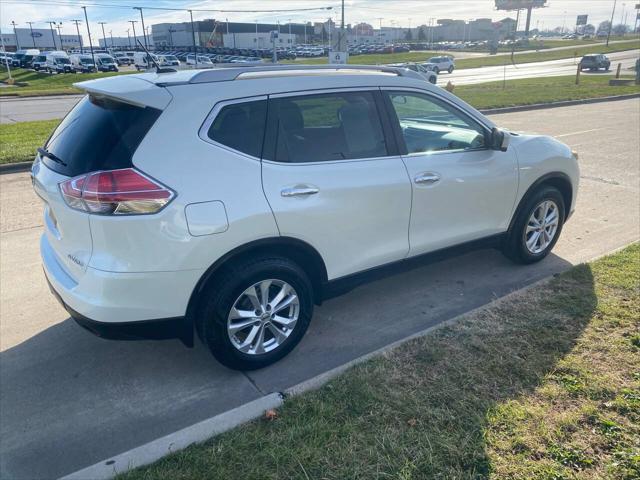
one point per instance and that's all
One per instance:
(514, 246)
(217, 300)
(437, 70)
(450, 69)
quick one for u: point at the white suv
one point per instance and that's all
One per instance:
(440, 64)
(230, 201)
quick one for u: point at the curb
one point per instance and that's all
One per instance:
(564, 103)
(209, 428)
(15, 167)
(179, 440)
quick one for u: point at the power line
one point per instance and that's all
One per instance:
(212, 10)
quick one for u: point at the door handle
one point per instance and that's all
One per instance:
(427, 178)
(298, 191)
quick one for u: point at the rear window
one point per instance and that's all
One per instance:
(241, 126)
(98, 134)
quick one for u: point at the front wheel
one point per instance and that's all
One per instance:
(437, 70)
(256, 312)
(450, 69)
(537, 227)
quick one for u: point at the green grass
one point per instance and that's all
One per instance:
(530, 91)
(45, 84)
(19, 141)
(484, 61)
(542, 385)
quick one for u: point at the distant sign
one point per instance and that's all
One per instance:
(338, 58)
(519, 4)
(582, 19)
(36, 34)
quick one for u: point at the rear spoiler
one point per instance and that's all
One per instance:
(129, 89)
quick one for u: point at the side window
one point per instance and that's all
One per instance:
(325, 127)
(241, 126)
(429, 125)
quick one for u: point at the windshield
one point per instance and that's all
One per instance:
(204, 59)
(105, 61)
(86, 61)
(63, 61)
(98, 134)
(170, 57)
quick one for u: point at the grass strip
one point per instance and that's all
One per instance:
(544, 384)
(19, 141)
(45, 84)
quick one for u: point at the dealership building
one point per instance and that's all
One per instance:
(40, 38)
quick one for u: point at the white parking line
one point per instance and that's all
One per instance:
(578, 133)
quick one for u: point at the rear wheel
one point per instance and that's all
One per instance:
(437, 70)
(537, 227)
(256, 312)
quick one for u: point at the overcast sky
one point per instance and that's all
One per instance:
(400, 12)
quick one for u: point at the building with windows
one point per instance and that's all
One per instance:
(124, 42)
(218, 33)
(40, 38)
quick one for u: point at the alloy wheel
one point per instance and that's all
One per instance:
(542, 226)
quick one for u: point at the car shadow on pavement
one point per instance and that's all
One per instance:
(70, 399)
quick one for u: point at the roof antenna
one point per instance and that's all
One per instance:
(153, 60)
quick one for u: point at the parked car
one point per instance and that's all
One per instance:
(429, 75)
(39, 63)
(58, 62)
(143, 60)
(122, 58)
(23, 58)
(106, 63)
(266, 214)
(168, 61)
(202, 60)
(595, 62)
(82, 63)
(440, 64)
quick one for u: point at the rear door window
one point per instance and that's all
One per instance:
(98, 134)
(325, 127)
(241, 126)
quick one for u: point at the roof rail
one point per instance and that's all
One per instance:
(232, 71)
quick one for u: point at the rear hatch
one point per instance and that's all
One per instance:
(101, 133)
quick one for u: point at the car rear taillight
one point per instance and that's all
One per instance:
(115, 192)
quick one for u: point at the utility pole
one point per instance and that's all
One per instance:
(59, 27)
(193, 35)
(133, 25)
(129, 38)
(86, 19)
(144, 33)
(613, 12)
(78, 22)
(342, 44)
(32, 37)
(111, 35)
(171, 30)
(15, 33)
(53, 35)
(104, 37)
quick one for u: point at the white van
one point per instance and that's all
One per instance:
(23, 58)
(82, 63)
(58, 62)
(106, 63)
(142, 61)
(39, 63)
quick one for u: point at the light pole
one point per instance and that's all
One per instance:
(78, 22)
(613, 12)
(104, 37)
(16, 35)
(256, 33)
(171, 30)
(53, 35)
(59, 27)
(564, 21)
(193, 36)
(32, 37)
(111, 35)
(144, 32)
(129, 38)
(86, 19)
(135, 40)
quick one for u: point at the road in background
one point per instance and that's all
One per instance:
(69, 399)
(14, 110)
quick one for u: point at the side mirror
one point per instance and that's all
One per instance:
(500, 139)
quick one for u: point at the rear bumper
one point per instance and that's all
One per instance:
(148, 305)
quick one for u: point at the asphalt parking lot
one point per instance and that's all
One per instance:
(70, 399)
